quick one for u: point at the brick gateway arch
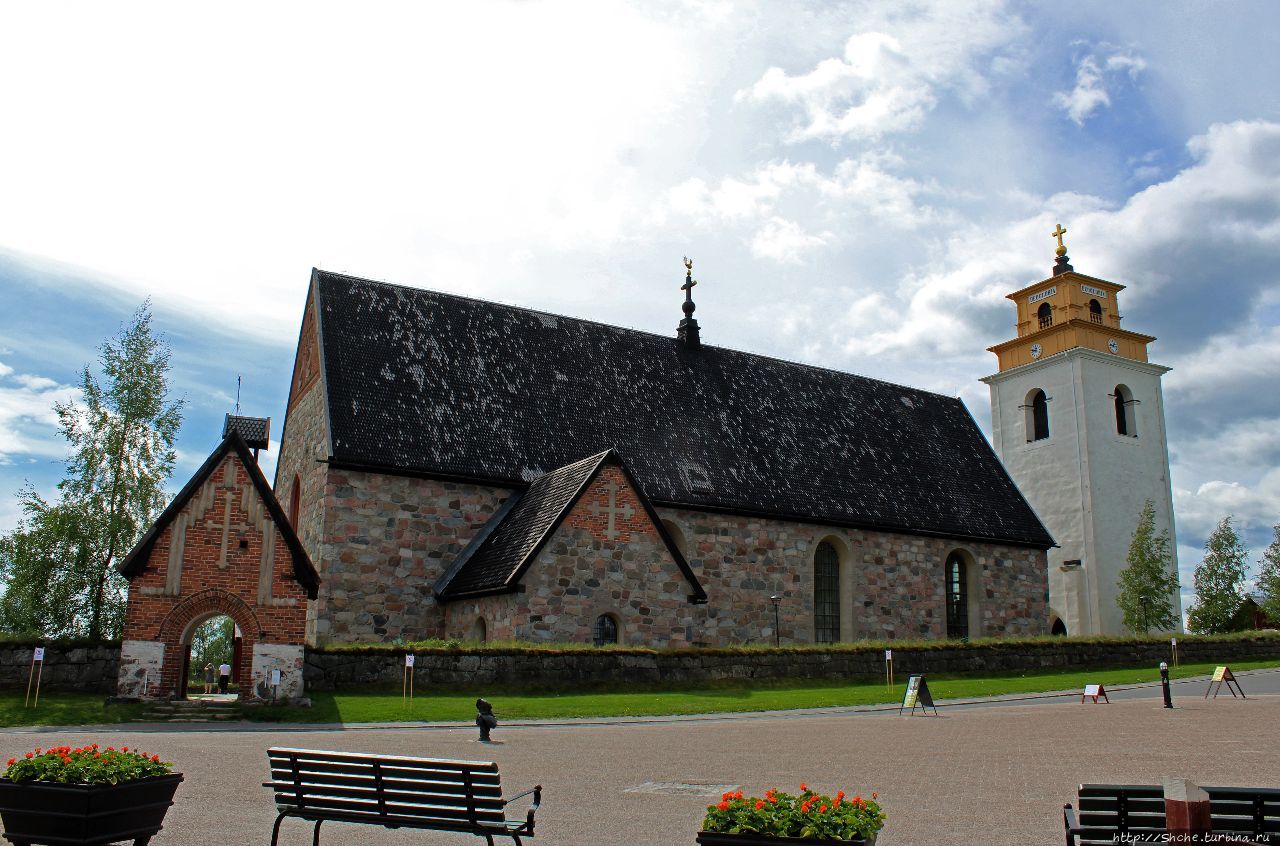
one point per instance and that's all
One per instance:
(223, 547)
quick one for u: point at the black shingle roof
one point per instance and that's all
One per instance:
(425, 382)
(503, 549)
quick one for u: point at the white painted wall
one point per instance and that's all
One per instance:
(1086, 482)
(140, 664)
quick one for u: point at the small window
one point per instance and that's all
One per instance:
(957, 597)
(605, 630)
(295, 502)
(479, 630)
(1037, 416)
(1059, 628)
(826, 593)
(1126, 419)
(1045, 313)
(1095, 311)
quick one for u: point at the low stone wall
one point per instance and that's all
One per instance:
(350, 670)
(67, 667)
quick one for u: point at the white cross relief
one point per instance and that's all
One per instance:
(612, 509)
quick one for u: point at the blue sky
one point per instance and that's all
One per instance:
(859, 186)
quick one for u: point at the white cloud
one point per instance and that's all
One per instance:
(785, 241)
(28, 424)
(1090, 92)
(893, 70)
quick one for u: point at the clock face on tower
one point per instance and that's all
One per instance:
(1113, 345)
(1035, 350)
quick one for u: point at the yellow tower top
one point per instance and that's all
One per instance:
(1067, 311)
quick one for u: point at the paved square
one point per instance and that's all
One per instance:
(990, 775)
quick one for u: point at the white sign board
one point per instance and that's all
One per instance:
(1174, 641)
(39, 656)
(1043, 295)
(1092, 690)
(275, 678)
(408, 660)
(888, 655)
(1097, 292)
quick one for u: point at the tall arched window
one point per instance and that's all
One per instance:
(295, 502)
(1037, 416)
(479, 630)
(826, 594)
(1126, 420)
(957, 597)
(1095, 311)
(1045, 313)
(605, 630)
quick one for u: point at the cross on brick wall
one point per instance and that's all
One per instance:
(612, 510)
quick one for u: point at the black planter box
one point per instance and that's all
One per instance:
(44, 812)
(713, 838)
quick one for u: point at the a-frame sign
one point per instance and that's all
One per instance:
(917, 694)
(1222, 676)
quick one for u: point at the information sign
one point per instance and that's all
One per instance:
(1095, 692)
(1221, 676)
(39, 654)
(408, 660)
(275, 678)
(917, 695)
(406, 692)
(34, 674)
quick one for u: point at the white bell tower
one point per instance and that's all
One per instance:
(1077, 417)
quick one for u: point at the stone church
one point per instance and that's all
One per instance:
(456, 468)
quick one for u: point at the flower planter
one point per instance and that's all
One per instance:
(713, 838)
(43, 812)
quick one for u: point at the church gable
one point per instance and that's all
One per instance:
(569, 520)
(225, 521)
(306, 363)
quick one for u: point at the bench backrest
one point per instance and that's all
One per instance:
(1108, 809)
(408, 791)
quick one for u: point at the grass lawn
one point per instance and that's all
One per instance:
(458, 704)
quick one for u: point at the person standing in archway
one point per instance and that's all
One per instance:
(224, 677)
(208, 678)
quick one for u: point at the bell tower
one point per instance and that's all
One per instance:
(1077, 417)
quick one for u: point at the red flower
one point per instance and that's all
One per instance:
(124, 748)
(11, 760)
(738, 795)
(724, 806)
(155, 759)
(839, 796)
(773, 799)
(759, 804)
(804, 786)
(822, 809)
(875, 795)
(30, 755)
(804, 807)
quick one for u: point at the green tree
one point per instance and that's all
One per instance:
(1219, 581)
(1269, 579)
(211, 643)
(58, 566)
(1148, 582)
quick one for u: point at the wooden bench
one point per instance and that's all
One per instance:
(1110, 811)
(394, 792)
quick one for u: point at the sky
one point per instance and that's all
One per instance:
(858, 184)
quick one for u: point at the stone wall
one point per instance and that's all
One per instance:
(88, 669)
(348, 670)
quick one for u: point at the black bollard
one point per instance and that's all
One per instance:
(485, 719)
(1164, 683)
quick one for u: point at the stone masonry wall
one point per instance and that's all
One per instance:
(89, 669)
(387, 540)
(584, 572)
(349, 670)
(896, 581)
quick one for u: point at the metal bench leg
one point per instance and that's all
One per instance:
(315, 838)
(275, 832)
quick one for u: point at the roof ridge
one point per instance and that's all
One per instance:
(535, 311)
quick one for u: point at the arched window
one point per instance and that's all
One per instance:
(1037, 416)
(1095, 311)
(605, 630)
(1126, 419)
(1059, 628)
(295, 502)
(479, 630)
(957, 597)
(677, 537)
(826, 593)
(1045, 313)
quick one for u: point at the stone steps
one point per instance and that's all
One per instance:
(188, 712)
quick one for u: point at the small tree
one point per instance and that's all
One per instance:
(1148, 582)
(1269, 579)
(59, 565)
(1219, 581)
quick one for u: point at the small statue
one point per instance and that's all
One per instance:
(485, 719)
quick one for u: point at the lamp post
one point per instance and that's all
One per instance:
(777, 630)
(1164, 683)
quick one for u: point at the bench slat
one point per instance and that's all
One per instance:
(457, 787)
(321, 755)
(411, 796)
(369, 807)
(363, 768)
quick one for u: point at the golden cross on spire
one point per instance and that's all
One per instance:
(687, 287)
(1058, 233)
